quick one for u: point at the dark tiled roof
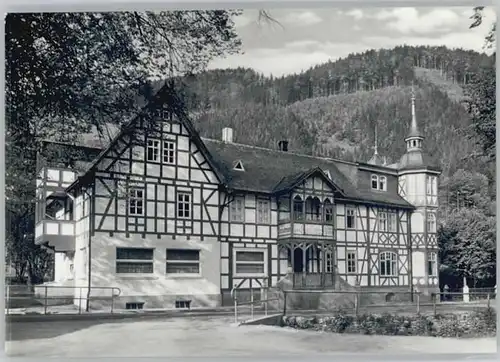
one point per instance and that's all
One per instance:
(266, 170)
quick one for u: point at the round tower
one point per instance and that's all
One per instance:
(418, 184)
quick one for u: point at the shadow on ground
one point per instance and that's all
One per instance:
(20, 331)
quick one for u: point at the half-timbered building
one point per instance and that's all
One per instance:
(172, 218)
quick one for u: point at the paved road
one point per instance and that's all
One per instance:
(210, 336)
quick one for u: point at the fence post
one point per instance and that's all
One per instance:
(356, 304)
(418, 303)
(488, 298)
(45, 302)
(266, 288)
(434, 303)
(112, 299)
(284, 303)
(80, 302)
(251, 301)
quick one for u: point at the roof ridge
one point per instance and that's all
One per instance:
(353, 163)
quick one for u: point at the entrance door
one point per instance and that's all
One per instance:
(298, 261)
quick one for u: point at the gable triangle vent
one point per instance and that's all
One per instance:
(239, 166)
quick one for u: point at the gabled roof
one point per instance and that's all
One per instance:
(288, 183)
(167, 99)
(267, 171)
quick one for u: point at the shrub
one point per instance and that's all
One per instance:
(474, 324)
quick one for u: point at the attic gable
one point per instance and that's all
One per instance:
(314, 178)
(164, 110)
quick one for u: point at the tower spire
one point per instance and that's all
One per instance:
(376, 159)
(414, 131)
(376, 140)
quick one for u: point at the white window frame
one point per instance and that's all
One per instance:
(168, 155)
(329, 262)
(349, 262)
(429, 186)
(347, 209)
(431, 222)
(382, 183)
(263, 211)
(153, 145)
(391, 258)
(183, 261)
(237, 209)
(248, 250)
(374, 178)
(382, 221)
(328, 207)
(392, 222)
(432, 264)
(134, 261)
(180, 200)
(135, 203)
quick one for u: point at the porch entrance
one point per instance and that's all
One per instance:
(311, 263)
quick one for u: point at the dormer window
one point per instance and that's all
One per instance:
(238, 166)
(379, 183)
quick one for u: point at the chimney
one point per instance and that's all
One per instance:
(227, 135)
(283, 145)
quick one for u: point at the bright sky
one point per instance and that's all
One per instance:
(309, 37)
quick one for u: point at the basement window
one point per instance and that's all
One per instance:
(239, 166)
(183, 304)
(134, 305)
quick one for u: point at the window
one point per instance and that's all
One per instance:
(388, 264)
(351, 262)
(313, 209)
(328, 206)
(263, 211)
(392, 219)
(250, 262)
(429, 185)
(183, 205)
(237, 209)
(434, 186)
(432, 264)
(382, 183)
(169, 152)
(134, 260)
(328, 262)
(431, 223)
(183, 261)
(350, 218)
(298, 208)
(136, 201)
(382, 221)
(153, 150)
(379, 183)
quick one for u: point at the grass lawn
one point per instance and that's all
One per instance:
(210, 336)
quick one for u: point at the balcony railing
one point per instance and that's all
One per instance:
(305, 229)
(58, 234)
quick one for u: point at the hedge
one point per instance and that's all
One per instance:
(471, 324)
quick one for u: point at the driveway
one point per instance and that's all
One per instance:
(212, 337)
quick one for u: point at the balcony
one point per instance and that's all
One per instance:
(305, 230)
(57, 234)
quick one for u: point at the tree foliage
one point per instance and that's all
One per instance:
(467, 244)
(69, 72)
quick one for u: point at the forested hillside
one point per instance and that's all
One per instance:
(333, 109)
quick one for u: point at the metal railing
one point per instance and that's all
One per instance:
(472, 299)
(263, 300)
(355, 302)
(78, 294)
